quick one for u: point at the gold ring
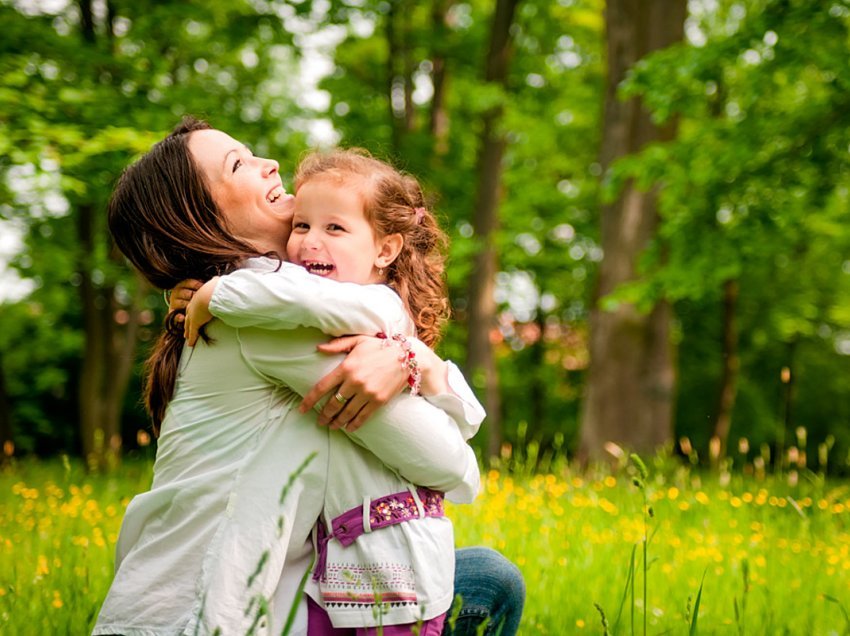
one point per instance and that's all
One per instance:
(338, 397)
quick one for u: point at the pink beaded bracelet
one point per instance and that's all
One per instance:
(407, 357)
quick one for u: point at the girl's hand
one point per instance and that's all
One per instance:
(198, 312)
(181, 295)
(369, 377)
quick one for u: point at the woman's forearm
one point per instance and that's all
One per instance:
(409, 435)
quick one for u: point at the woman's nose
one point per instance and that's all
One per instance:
(270, 167)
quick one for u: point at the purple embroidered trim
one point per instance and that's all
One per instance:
(384, 511)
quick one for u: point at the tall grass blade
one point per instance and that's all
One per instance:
(293, 609)
(832, 599)
(629, 582)
(693, 630)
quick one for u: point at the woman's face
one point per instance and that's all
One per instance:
(247, 190)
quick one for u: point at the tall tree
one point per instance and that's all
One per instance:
(755, 185)
(482, 320)
(629, 395)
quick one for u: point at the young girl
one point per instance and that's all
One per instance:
(384, 548)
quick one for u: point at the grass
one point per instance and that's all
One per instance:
(742, 555)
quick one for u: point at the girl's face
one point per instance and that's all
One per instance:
(331, 236)
(247, 189)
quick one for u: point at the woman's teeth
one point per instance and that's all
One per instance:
(275, 194)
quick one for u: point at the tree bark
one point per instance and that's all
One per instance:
(729, 375)
(481, 362)
(408, 68)
(108, 353)
(392, 57)
(398, 31)
(439, 120)
(631, 379)
(110, 344)
(7, 439)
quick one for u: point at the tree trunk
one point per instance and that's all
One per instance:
(399, 85)
(392, 56)
(439, 121)
(729, 376)
(108, 353)
(538, 391)
(7, 440)
(481, 361)
(631, 379)
(408, 68)
(787, 377)
(109, 349)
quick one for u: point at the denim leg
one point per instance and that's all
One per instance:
(491, 587)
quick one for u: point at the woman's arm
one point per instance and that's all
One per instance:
(416, 439)
(442, 384)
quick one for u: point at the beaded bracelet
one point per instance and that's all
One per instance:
(407, 359)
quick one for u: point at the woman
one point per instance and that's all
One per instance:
(202, 550)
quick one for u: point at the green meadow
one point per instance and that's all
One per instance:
(683, 551)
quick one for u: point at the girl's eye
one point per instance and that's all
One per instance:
(336, 227)
(300, 226)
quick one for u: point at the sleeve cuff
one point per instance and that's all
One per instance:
(461, 404)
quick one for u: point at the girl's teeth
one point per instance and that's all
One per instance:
(319, 268)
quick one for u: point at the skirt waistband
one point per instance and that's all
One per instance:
(382, 512)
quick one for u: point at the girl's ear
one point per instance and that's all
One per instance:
(389, 249)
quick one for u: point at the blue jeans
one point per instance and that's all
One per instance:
(491, 588)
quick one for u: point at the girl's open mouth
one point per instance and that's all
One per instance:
(320, 269)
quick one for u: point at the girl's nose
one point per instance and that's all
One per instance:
(311, 241)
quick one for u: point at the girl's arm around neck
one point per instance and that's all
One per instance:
(262, 296)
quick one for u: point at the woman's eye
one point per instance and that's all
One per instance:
(236, 164)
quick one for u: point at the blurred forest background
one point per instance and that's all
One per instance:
(647, 202)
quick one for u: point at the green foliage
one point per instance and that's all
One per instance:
(77, 105)
(754, 189)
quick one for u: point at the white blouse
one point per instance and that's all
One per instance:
(221, 540)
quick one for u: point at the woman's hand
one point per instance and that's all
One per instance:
(369, 377)
(198, 312)
(181, 295)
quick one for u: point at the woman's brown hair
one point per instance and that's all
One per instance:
(394, 204)
(163, 218)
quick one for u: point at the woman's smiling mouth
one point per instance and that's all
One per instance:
(275, 193)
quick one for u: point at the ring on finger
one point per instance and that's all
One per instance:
(340, 398)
